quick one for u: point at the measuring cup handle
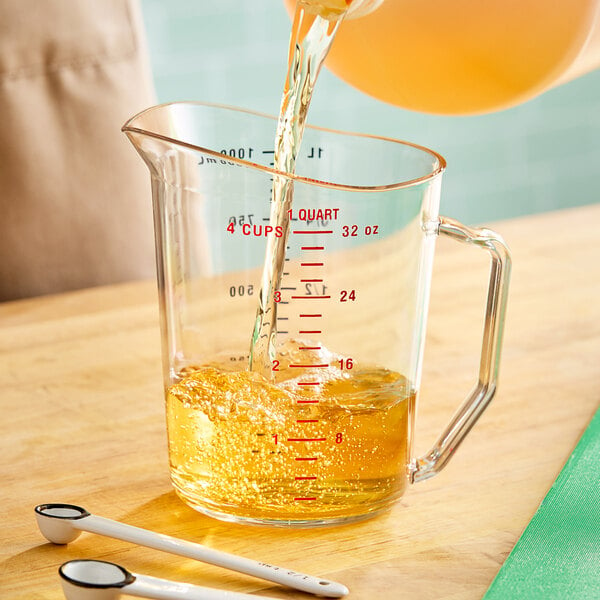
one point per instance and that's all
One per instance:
(480, 396)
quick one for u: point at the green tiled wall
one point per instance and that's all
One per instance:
(542, 155)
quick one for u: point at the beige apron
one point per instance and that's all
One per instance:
(75, 207)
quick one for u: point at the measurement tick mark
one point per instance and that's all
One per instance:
(307, 420)
(309, 348)
(314, 498)
(311, 281)
(312, 264)
(312, 247)
(309, 366)
(305, 458)
(307, 439)
(306, 331)
(304, 478)
(310, 297)
(312, 231)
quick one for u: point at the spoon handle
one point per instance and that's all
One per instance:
(163, 589)
(159, 541)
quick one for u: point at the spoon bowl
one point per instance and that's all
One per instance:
(93, 580)
(56, 521)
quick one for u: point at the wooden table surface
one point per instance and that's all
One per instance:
(82, 422)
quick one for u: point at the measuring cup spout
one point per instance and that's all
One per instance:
(163, 137)
(149, 146)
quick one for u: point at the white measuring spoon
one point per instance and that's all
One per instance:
(100, 580)
(62, 523)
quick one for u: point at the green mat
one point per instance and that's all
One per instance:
(558, 555)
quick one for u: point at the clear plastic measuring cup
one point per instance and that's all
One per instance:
(326, 436)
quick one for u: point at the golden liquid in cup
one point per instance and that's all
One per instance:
(275, 451)
(330, 442)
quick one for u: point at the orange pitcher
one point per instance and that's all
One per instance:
(465, 56)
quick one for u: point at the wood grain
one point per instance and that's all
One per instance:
(82, 422)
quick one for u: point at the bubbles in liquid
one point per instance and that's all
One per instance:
(242, 445)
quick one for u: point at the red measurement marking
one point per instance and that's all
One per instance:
(313, 231)
(307, 420)
(303, 478)
(308, 366)
(305, 331)
(306, 458)
(311, 281)
(307, 402)
(307, 439)
(311, 264)
(310, 297)
(309, 347)
(308, 383)
(315, 315)
(305, 498)
(312, 247)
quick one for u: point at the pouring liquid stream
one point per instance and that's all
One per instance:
(312, 36)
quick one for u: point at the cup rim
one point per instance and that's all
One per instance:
(129, 127)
